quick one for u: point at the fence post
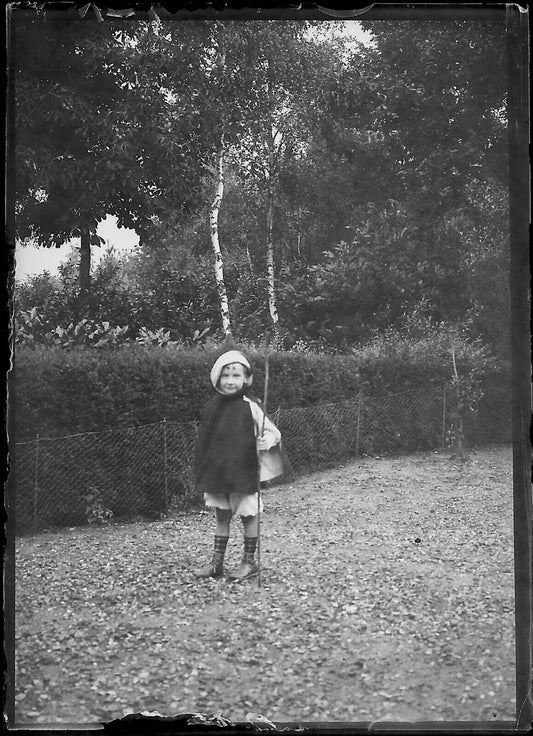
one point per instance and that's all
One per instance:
(444, 418)
(35, 484)
(165, 457)
(359, 404)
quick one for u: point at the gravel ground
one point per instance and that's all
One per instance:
(387, 595)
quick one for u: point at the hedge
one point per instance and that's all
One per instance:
(57, 392)
(61, 393)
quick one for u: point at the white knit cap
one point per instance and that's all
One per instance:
(232, 356)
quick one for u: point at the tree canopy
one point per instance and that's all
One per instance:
(365, 187)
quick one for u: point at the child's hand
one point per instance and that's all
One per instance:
(263, 443)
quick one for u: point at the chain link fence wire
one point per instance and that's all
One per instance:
(148, 470)
(491, 424)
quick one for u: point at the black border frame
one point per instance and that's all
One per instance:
(516, 18)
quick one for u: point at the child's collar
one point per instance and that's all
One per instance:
(236, 395)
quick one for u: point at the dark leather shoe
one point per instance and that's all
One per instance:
(245, 570)
(211, 570)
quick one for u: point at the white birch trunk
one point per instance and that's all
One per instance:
(272, 306)
(213, 221)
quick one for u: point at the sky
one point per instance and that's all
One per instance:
(31, 260)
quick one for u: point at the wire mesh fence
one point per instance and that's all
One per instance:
(147, 470)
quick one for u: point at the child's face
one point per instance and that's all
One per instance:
(232, 378)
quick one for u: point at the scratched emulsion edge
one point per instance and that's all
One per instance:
(8, 271)
(518, 194)
(519, 202)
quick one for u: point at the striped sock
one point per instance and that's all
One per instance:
(250, 546)
(220, 547)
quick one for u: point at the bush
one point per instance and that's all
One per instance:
(60, 392)
(123, 472)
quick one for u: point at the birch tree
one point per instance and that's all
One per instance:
(283, 70)
(272, 307)
(202, 66)
(215, 242)
(222, 87)
(216, 79)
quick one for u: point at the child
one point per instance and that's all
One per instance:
(230, 443)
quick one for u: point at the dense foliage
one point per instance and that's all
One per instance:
(61, 392)
(375, 175)
(112, 433)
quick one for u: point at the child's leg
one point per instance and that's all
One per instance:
(223, 521)
(215, 568)
(250, 524)
(246, 507)
(248, 566)
(251, 533)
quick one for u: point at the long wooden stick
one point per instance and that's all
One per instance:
(265, 398)
(265, 394)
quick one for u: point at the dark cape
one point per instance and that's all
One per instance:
(226, 452)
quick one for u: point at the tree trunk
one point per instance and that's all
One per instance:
(272, 307)
(85, 272)
(213, 220)
(460, 449)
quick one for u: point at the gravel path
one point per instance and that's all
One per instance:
(387, 595)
